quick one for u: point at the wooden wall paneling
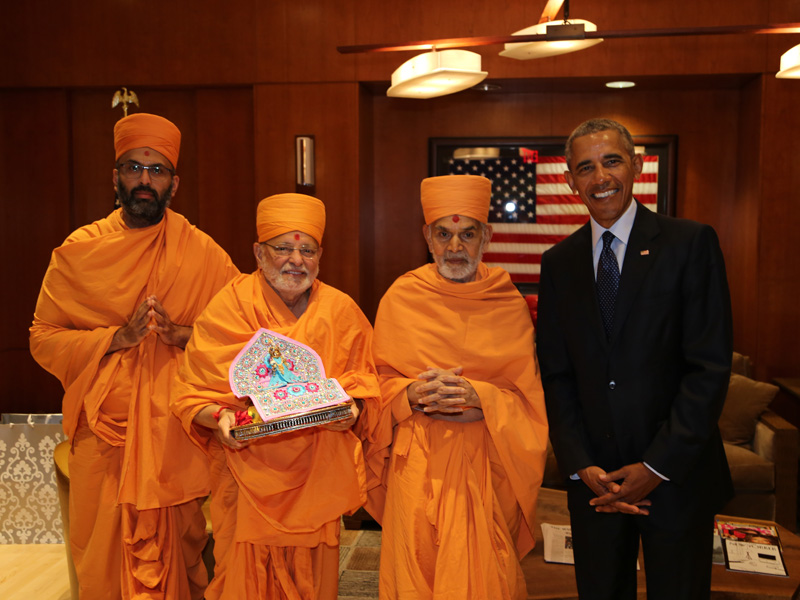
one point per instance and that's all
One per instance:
(210, 43)
(297, 41)
(272, 42)
(739, 226)
(778, 272)
(92, 154)
(366, 185)
(778, 44)
(35, 168)
(110, 41)
(33, 43)
(96, 42)
(400, 164)
(273, 140)
(329, 112)
(226, 201)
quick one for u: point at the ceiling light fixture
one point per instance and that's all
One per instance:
(569, 36)
(620, 85)
(440, 73)
(437, 73)
(559, 38)
(790, 64)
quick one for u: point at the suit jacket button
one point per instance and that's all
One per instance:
(612, 385)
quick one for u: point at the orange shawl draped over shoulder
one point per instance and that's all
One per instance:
(95, 282)
(485, 327)
(293, 487)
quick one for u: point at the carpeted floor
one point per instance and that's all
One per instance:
(359, 557)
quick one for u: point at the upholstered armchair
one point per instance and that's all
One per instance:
(762, 450)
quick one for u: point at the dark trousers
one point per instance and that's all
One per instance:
(677, 550)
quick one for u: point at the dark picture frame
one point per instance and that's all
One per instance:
(470, 155)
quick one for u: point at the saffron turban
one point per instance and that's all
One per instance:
(466, 195)
(283, 213)
(142, 130)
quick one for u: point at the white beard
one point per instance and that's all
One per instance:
(290, 285)
(460, 273)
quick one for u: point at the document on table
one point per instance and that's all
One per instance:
(557, 543)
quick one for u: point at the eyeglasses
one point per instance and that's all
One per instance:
(133, 170)
(305, 251)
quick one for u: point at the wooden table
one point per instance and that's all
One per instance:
(787, 401)
(557, 582)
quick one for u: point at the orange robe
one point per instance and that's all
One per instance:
(290, 489)
(136, 478)
(460, 497)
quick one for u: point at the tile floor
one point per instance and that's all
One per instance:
(359, 557)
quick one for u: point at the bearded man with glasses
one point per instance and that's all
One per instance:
(114, 313)
(276, 500)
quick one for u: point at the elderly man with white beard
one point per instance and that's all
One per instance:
(463, 401)
(276, 501)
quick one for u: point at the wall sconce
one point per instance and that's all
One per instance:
(305, 181)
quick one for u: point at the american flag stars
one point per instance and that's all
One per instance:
(512, 201)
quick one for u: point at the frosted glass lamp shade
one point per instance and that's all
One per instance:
(437, 73)
(790, 64)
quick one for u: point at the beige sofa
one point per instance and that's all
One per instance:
(762, 451)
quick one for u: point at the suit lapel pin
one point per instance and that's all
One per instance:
(644, 253)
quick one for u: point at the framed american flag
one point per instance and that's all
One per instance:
(532, 206)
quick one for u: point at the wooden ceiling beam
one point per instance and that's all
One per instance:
(467, 42)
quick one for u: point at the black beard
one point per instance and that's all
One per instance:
(143, 211)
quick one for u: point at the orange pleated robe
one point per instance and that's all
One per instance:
(287, 491)
(135, 477)
(460, 497)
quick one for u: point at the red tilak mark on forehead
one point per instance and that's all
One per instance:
(147, 152)
(297, 236)
(456, 218)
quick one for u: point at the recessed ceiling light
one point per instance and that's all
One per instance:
(620, 84)
(487, 87)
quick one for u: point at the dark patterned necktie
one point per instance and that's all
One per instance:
(607, 282)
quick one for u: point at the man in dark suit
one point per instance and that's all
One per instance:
(634, 346)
